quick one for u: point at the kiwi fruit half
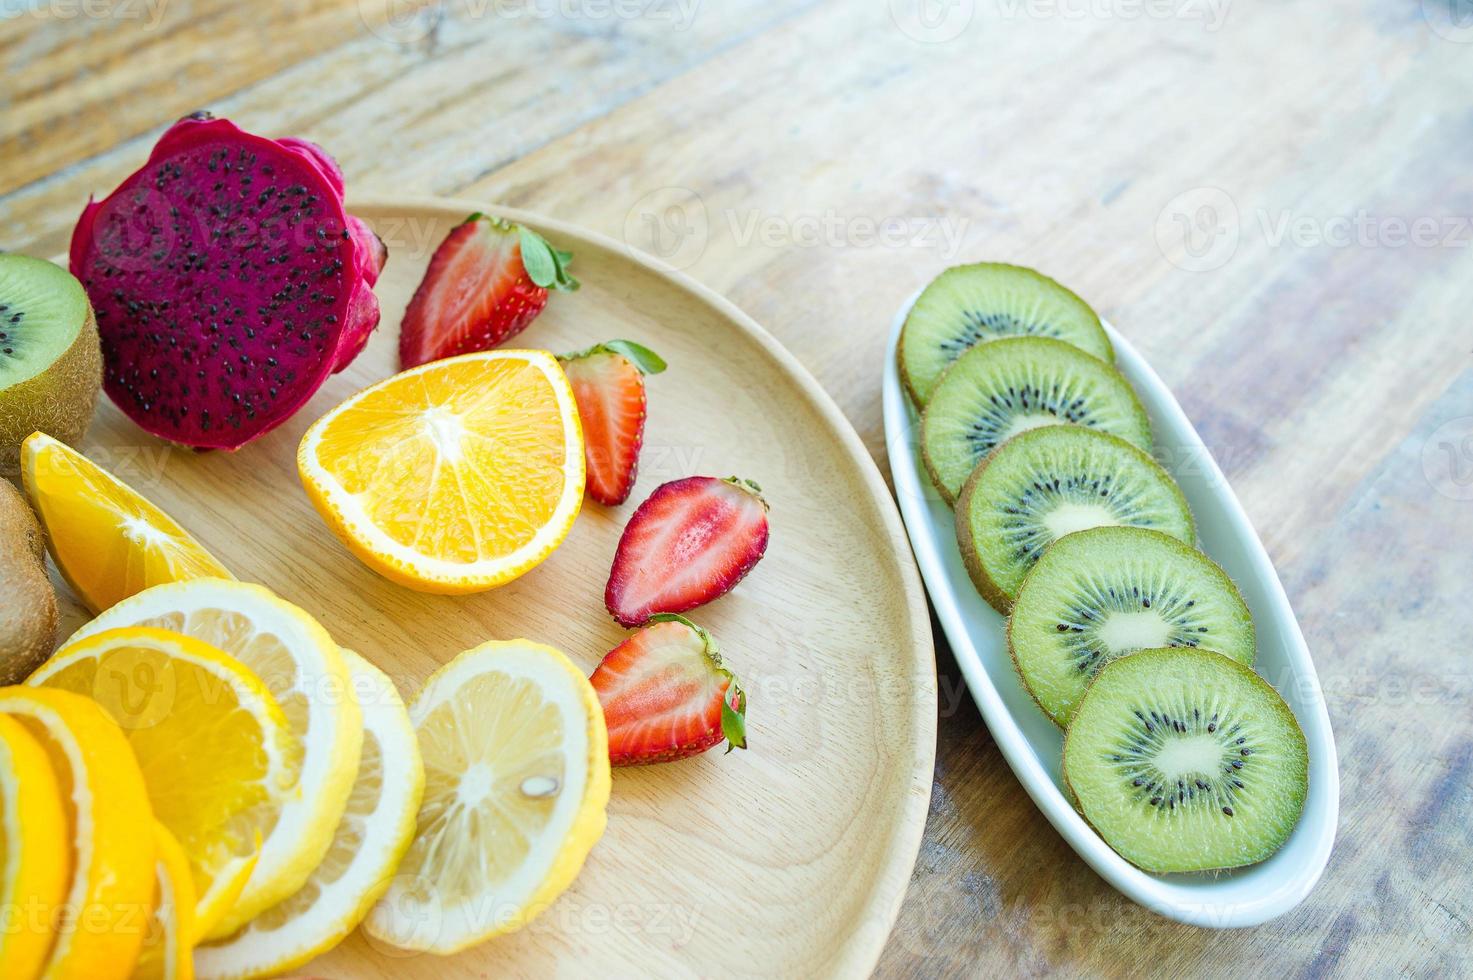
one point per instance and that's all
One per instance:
(1186, 760)
(1046, 483)
(1101, 593)
(50, 359)
(971, 304)
(1003, 387)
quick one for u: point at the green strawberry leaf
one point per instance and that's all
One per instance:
(639, 355)
(734, 720)
(545, 265)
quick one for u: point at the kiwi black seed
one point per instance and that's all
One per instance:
(1186, 760)
(1104, 592)
(1046, 483)
(50, 359)
(971, 304)
(1003, 387)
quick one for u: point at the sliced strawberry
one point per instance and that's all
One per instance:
(487, 280)
(608, 384)
(689, 543)
(666, 695)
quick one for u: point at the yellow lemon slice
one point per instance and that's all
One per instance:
(215, 748)
(304, 670)
(455, 476)
(34, 850)
(516, 761)
(376, 828)
(100, 925)
(167, 946)
(108, 542)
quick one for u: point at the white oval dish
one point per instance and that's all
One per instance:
(1032, 744)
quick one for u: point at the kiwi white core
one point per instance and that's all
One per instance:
(1127, 631)
(1067, 518)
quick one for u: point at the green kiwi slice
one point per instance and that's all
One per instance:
(971, 304)
(1049, 482)
(1186, 760)
(1104, 592)
(50, 360)
(1003, 387)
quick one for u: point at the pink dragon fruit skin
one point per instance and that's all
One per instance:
(228, 282)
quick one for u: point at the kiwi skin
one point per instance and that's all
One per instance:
(59, 401)
(990, 590)
(28, 616)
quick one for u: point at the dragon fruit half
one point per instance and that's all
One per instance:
(228, 282)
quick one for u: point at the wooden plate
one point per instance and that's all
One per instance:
(789, 859)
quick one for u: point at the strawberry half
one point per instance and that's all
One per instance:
(689, 543)
(488, 279)
(666, 695)
(608, 384)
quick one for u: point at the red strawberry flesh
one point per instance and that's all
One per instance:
(666, 696)
(692, 541)
(474, 295)
(608, 385)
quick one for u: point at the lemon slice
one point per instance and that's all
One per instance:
(516, 760)
(302, 667)
(108, 542)
(99, 926)
(455, 476)
(214, 746)
(34, 850)
(371, 838)
(171, 927)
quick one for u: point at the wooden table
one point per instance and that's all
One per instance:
(816, 161)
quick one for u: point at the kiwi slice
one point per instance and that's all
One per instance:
(971, 304)
(1046, 483)
(50, 360)
(1003, 387)
(1186, 760)
(1104, 592)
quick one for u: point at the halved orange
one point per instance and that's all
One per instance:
(108, 542)
(456, 476)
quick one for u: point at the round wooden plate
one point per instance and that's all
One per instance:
(789, 859)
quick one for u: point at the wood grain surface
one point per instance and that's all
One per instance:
(1271, 198)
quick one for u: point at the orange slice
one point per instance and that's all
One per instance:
(214, 746)
(168, 945)
(101, 924)
(456, 476)
(108, 542)
(34, 850)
